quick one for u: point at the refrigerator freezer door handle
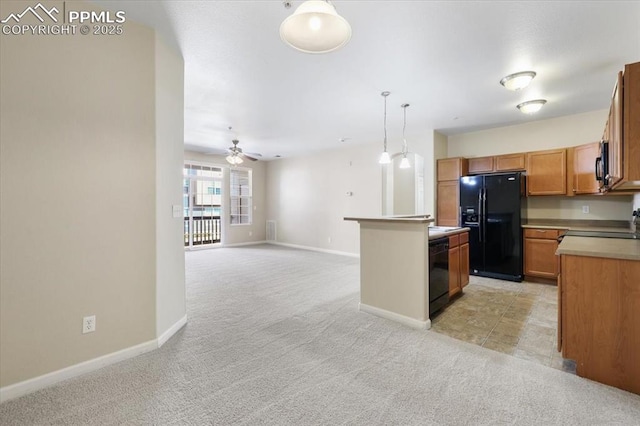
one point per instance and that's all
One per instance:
(484, 211)
(480, 215)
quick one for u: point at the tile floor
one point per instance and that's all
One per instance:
(518, 319)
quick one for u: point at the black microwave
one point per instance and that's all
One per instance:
(602, 165)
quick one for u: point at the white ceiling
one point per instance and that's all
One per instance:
(445, 58)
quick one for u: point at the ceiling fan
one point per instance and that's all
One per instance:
(235, 155)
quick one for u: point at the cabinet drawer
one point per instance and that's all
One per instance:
(545, 234)
(464, 237)
(454, 241)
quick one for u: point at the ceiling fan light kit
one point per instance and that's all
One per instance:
(234, 159)
(315, 27)
(236, 156)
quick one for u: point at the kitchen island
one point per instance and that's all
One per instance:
(394, 267)
(599, 308)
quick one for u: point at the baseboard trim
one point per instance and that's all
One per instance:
(340, 253)
(172, 330)
(408, 321)
(250, 243)
(25, 387)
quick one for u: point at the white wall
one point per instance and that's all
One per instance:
(307, 196)
(78, 206)
(240, 234)
(170, 278)
(547, 134)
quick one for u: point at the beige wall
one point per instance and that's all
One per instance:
(308, 196)
(533, 136)
(90, 135)
(170, 279)
(547, 134)
(240, 234)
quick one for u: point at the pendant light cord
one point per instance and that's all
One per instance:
(385, 123)
(404, 126)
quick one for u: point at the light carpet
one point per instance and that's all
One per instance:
(275, 338)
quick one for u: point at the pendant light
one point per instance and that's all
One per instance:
(315, 27)
(385, 158)
(404, 163)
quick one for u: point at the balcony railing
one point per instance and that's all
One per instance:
(206, 230)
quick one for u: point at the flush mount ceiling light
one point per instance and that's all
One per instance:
(530, 107)
(315, 27)
(518, 81)
(404, 163)
(385, 158)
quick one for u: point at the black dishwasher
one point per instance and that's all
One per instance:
(438, 274)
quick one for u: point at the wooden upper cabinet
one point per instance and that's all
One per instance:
(547, 172)
(622, 131)
(497, 163)
(481, 165)
(452, 168)
(613, 133)
(448, 203)
(509, 162)
(581, 169)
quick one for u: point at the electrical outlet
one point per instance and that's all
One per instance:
(250, 233)
(89, 324)
(329, 240)
(585, 209)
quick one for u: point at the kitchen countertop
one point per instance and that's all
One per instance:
(394, 219)
(444, 231)
(613, 248)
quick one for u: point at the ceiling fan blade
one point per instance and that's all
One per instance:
(248, 157)
(254, 154)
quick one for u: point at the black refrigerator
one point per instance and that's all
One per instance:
(491, 206)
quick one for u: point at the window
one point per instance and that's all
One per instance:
(240, 192)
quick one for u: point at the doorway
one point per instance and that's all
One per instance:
(202, 204)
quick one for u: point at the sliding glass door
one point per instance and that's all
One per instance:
(202, 202)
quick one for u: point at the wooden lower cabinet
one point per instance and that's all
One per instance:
(540, 258)
(464, 265)
(458, 263)
(600, 319)
(454, 271)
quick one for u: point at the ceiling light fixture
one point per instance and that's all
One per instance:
(404, 163)
(315, 27)
(385, 158)
(518, 81)
(531, 107)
